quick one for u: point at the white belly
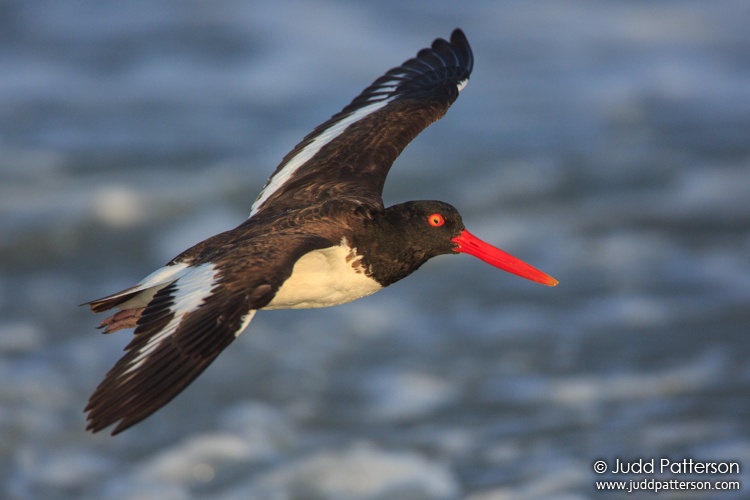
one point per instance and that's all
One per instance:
(324, 278)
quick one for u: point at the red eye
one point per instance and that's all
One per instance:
(436, 220)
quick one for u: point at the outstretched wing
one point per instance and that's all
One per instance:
(185, 326)
(351, 153)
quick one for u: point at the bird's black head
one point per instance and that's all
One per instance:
(403, 237)
(424, 227)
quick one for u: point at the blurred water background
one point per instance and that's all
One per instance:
(607, 143)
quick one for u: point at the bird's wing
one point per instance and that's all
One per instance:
(185, 326)
(351, 153)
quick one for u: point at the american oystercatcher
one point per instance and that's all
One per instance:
(317, 236)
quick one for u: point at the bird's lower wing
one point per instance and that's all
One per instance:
(181, 331)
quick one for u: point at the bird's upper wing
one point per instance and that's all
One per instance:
(186, 325)
(351, 153)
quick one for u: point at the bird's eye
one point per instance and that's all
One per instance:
(436, 220)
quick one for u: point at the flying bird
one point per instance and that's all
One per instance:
(318, 235)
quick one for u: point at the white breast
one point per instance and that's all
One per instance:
(324, 278)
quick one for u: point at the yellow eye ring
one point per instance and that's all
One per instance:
(436, 220)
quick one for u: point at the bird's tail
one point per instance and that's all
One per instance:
(132, 301)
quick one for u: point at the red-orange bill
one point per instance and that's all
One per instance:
(468, 243)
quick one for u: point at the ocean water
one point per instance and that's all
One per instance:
(607, 143)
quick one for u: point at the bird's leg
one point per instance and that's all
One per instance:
(121, 319)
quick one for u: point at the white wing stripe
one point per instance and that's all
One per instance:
(245, 321)
(311, 149)
(191, 291)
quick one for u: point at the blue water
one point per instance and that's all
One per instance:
(606, 143)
